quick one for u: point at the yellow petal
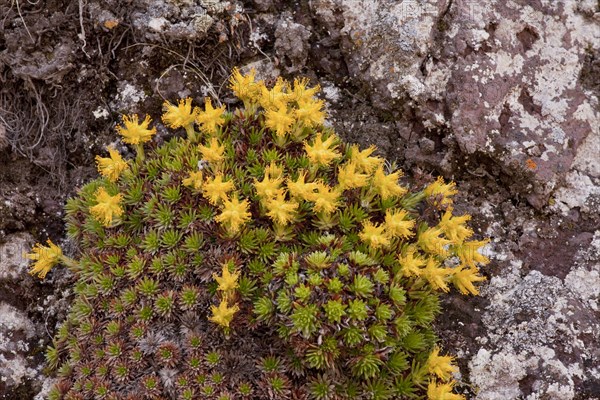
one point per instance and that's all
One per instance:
(134, 132)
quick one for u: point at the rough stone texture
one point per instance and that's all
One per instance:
(16, 332)
(291, 43)
(12, 263)
(166, 19)
(19, 334)
(543, 333)
(499, 79)
(519, 99)
(581, 189)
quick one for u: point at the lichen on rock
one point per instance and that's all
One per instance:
(502, 77)
(539, 331)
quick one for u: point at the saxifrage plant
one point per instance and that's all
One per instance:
(257, 257)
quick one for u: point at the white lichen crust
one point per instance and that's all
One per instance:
(540, 332)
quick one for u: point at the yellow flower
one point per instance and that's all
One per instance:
(435, 275)
(277, 97)
(374, 235)
(363, 160)
(223, 315)
(244, 87)
(326, 199)
(211, 117)
(387, 186)
(310, 112)
(194, 180)
(213, 152)
(268, 187)
(227, 281)
(274, 170)
(107, 208)
(441, 366)
(469, 254)
(45, 258)
(442, 392)
(180, 115)
(441, 192)
(134, 132)
(303, 93)
(279, 120)
(216, 190)
(349, 178)
(234, 214)
(397, 224)
(411, 264)
(111, 167)
(280, 211)
(301, 189)
(454, 228)
(463, 279)
(430, 241)
(321, 152)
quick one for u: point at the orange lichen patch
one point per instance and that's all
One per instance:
(531, 164)
(111, 23)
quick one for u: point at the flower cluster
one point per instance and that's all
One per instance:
(228, 282)
(45, 258)
(258, 257)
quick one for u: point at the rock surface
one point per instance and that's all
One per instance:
(166, 19)
(504, 80)
(541, 333)
(19, 334)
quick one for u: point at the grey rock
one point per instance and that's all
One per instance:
(542, 335)
(16, 333)
(499, 77)
(158, 21)
(291, 43)
(13, 263)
